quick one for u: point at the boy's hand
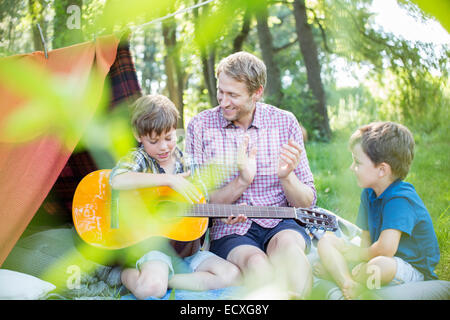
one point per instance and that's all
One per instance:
(357, 269)
(233, 219)
(179, 183)
(246, 163)
(289, 158)
(351, 252)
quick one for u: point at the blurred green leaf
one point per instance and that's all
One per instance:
(117, 13)
(70, 107)
(437, 8)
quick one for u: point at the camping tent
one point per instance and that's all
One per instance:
(30, 169)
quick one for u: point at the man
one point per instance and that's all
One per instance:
(262, 159)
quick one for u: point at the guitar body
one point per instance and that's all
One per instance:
(112, 219)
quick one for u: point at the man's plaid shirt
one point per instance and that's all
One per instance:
(211, 139)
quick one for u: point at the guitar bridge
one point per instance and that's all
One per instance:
(114, 209)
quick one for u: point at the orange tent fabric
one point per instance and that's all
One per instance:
(29, 169)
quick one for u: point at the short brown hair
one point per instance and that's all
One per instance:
(388, 142)
(244, 67)
(153, 113)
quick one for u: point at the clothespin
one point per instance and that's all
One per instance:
(43, 41)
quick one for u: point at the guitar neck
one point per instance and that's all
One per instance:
(226, 210)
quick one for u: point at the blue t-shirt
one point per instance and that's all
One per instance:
(400, 207)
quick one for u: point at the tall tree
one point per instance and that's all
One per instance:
(172, 64)
(273, 87)
(308, 48)
(239, 40)
(67, 24)
(150, 67)
(10, 14)
(36, 10)
(207, 53)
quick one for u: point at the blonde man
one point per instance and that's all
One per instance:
(263, 146)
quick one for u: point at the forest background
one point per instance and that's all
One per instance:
(330, 62)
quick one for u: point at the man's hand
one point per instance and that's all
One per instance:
(179, 183)
(289, 158)
(246, 163)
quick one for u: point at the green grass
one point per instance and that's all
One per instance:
(337, 189)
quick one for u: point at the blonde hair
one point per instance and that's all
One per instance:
(244, 67)
(387, 142)
(153, 113)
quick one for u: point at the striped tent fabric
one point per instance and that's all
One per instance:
(29, 168)
(124, 87)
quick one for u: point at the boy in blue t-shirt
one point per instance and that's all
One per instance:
(398, 243)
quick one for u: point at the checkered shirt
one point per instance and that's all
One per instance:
(137, 160)
(213, 140)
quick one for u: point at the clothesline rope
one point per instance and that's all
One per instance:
(173, 14)
(141, 25)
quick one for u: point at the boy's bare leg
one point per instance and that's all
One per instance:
(150, 281)
(375, 273)
(213, 273)
(320, 272)
(335, 264)
(286, 251)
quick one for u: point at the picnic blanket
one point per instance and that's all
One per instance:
(230, 293)
(51, 254)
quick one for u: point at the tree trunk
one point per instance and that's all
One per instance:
(67, 23)
(207, 55)
(273, 87)
(238, 42)
(309, 51)
(175, 76)
(36, 8)
(149, 72)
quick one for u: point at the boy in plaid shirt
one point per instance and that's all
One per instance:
(259, 153)
(158, 162)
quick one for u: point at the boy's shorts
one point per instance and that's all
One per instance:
(176, 265)
(257, 236)
(405, 273)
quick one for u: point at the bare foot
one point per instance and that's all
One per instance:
(351, 289)
(319, 271)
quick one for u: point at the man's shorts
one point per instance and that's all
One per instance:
(176, 264)
(257, 236)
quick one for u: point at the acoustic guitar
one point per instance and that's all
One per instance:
(112, 219)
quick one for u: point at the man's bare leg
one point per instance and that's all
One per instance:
(286, 251)
(254, 264)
